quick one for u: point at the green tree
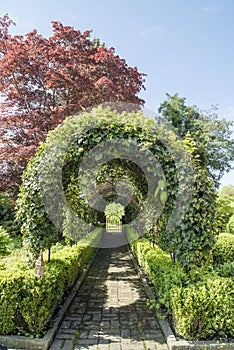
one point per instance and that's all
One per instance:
(228, 191)
(213, 136)
(114, 211)
(226, 208)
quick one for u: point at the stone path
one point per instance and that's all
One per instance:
(109, 311)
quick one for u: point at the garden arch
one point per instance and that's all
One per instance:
(59, 188)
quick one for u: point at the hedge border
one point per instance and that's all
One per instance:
(172, 342)
(23, 342)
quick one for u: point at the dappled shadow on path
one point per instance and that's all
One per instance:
(110, 308)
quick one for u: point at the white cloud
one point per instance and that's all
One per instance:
(211, 9)
(148, 30)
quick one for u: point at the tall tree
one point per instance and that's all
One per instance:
(212, 136)
(43, 80)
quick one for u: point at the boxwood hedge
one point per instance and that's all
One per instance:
(223, 250)
(27, 303)
(202, 304)
(205, 309)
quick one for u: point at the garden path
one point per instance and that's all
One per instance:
(109, 311)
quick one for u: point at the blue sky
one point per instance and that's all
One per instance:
(184, 46)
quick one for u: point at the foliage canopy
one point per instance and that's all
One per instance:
(211, 135)
(184, 228)
(43, 80)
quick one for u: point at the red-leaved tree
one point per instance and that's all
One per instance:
(43, 80)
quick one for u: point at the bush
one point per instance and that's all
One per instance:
(11, 287)
(160, 269)
(4, 241)
(201, 301)
(27, 303)
(7, 214)
(225, 270)
(204, 309)
(224, 249)
(230, 225)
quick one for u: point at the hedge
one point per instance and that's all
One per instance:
(204, 309)
(201, 307)
(160, 269)
(27, 303)
(223, 250)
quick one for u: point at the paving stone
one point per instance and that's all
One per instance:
(61, 335)
(133, 346)
(103, 346)
(161, 346)
(83, 334)
(150, 345)
(67, 331)
(57, 344)
(86, 341)
(68, 345)
(108, 309)
(115, 346)
(66, 324)
(91, 347)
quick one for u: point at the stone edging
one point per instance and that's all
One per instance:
(23, 342)
(172, 342)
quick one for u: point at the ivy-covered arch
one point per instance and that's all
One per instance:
(178, 213)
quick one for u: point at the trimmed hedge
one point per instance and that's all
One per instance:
(160, 269)
(27, 303)
(201, 307)
(205, 309)
(224, 248)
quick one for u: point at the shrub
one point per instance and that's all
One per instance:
(4, 241)
(201, 301)
(27, 303)
(7, 214)
(225, 270)
(204, 309)
(224, 249)
(230, 225)
(160, 269)
(10, 287)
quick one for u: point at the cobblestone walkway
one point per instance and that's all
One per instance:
(109, 311)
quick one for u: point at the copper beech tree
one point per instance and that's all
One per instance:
(43, 80)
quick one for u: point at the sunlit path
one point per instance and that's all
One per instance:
(109, 311)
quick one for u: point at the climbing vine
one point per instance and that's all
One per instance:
(54, 200)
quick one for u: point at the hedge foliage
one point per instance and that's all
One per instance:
(202, 304)
(223, 251)
(27, 303)
(204, 309)
(180, 188)
(4, 240)
(160, 269)
(7, 215)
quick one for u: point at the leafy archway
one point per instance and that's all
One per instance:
(173, 196)
(114, 213)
